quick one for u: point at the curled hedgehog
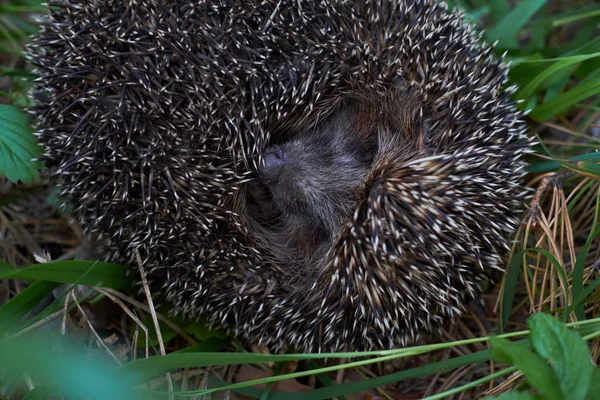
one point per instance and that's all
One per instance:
(327, 175)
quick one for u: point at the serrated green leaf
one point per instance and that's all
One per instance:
(18, 146)
(534, 368)
(566, 351)
(90, 273)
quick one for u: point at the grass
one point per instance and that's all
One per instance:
(553, 265)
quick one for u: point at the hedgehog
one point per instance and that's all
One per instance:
(324, 175)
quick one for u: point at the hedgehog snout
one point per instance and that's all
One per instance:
(274, 158)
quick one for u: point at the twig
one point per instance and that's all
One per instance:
(98, 338)
(139, 323)
(144, 307)
(161, 344)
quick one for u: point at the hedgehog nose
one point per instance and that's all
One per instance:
(274, 159)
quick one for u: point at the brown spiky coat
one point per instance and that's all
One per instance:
(155, 113)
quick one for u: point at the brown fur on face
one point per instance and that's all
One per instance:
(298, 218)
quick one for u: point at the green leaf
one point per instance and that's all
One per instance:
(566, 351)
(511, 24)
(594, 385)
(24, 302)
(90, 273)
(18, 146)
(534, 368)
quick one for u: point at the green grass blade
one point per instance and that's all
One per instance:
(552, 71)
(355, 387)
(510, 287)
(22, 303)
(499, 8)
(85, 272)
(582, 296)
(590, 13)
(143, 369)
(548, 166)
(566, 100)
(56, 305)
(506, 30)
(511, 278)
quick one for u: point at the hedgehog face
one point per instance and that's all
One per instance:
(310, 182)
(309, 186)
